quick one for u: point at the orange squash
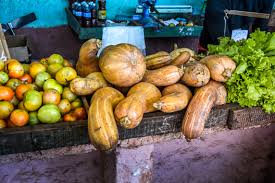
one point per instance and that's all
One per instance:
(198, 111)
(140, 98)
(88, 62)
(158, 60)
(196, 75)
(88, 85)
(102, 126)
(183, 58)
(122, 65)
(175, 98)
(164, 76)
(221, 67)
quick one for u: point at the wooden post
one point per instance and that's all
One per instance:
(4, 50)
(129, 165)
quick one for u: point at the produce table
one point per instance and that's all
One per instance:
(49, 141)
(42, 137)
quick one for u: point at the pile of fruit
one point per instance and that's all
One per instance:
(38, 93)
(161, 81)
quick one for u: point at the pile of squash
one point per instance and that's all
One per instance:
(161, 81)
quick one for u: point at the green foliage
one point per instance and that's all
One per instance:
(253, 82)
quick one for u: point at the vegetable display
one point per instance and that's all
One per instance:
(30, 94)
(253, 82)
(239, 72)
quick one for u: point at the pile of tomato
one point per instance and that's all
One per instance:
(36, 93)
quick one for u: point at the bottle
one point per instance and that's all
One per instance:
(86, 14)
(102, 12)
(78, 13)
(73, 7)
(93, 10)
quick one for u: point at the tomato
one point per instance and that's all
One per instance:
(33, 118)
(41, 78)
(32, 100)
(67, 63)
(49, 113)
(77, 103)
(80, 113)
(3, 77)
(53, 69)
(64, 106)
(65, 75)
(52, 84)
(51, 96)
(3, 124)
(44, 61)
(26, 68)
(55, 59)
(36, 68)
(21, 105)
(6, 93)
(21, 89)
(6, 109)
(19, 117)
(68, 94)
(13, 83)
(10, 124)
(2, 65)
(69, 117)
(14, 101)
(14, 69)
(26, 79)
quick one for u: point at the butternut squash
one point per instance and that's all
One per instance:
(140, 98)
(198, 110)
(158, 60)
(196, 75)
(150, 91)
(88, 62)
(88, 85)
(164, 76)
(177, 51)
(221, 67)
(183, 58)
(102, 128)
(175, 98)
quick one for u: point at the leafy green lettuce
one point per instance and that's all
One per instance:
(253, 82)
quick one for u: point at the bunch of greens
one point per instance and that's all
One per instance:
(253, 82)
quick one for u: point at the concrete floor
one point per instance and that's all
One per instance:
(229, 156)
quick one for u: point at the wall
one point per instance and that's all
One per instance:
(51, 13)
(231, 156)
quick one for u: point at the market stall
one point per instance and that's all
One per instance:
(120, 99)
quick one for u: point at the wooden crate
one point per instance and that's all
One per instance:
(96, 32)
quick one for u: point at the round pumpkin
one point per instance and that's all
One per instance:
(122, 65)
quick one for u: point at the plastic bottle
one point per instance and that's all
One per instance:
(73, 7)
(93, 10)
(86, 14)
(78, 13)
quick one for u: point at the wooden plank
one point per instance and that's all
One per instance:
(47, 136)
(4, 51)
(12, 141)
(248, 117)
